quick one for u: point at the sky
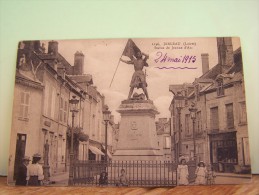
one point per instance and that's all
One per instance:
(165, 56)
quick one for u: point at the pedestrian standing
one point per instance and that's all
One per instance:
(35, 172)
(201, 174)
(211, 175)
(22, 172)
(183, 173)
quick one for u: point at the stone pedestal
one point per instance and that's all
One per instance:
(137, 136)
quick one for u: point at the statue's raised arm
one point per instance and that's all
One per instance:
(127, 61)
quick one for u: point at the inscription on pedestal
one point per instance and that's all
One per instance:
(135, 132)
(137, 137)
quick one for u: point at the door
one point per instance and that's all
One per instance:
(19, 152)
(53, 153)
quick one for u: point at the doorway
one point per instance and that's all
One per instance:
(19, 152)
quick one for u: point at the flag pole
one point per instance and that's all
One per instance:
(115, 70)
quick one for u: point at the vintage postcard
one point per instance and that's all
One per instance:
(129, 112)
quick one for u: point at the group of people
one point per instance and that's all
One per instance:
(121, 181)
(30, 174)
(203, 175)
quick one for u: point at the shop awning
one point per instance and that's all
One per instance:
(96, 150)
(108, 152)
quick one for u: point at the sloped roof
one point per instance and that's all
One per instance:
(207, 86)
(178, 87)
(212, 73)
(20, 78)
(216, 70)
(50, 58)
(86, 78)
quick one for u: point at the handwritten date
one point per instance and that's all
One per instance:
(163, 57)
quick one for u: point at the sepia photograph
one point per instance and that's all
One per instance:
(135, 112)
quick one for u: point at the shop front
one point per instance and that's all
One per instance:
(223, 151)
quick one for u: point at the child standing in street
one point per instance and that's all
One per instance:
(211, 176)
(123, 179)
(201, 173)
(183, 173)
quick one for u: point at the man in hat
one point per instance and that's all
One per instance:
(22, 172)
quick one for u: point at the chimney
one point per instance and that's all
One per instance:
(205, 62)
(225, 53)
(78, 68)
(53, 48)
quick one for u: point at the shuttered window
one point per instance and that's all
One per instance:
(46, 99)
(199, 124)
(242, 113)
(24, 105)
(187, 124)
(63, 110)
(230, 116)
(53, 103)
(214, 118)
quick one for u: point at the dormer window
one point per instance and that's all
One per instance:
(220, 89)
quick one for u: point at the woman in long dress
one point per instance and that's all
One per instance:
(183, 173)
(35, 172)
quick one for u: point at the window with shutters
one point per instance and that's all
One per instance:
(242, 113)
(53, 103)
(199, 124)
(214, 119)
(230, 116)
(187, 124)
(46, 99)
(63, 110)
(24, 105)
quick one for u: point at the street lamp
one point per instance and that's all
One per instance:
(73, 108)
(193, 111)
(106, 118)
(179, 104)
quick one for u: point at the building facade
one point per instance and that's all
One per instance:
(26, 119)
(163, 129)
(42, 121)
(219, 130)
